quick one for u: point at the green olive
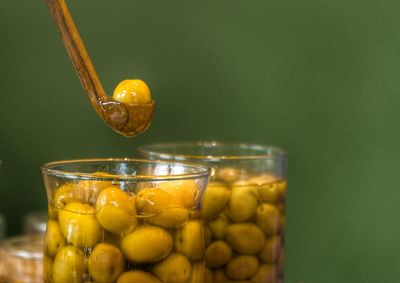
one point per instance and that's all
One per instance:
(218, 253)
(241, 267)
(116, 210)
(78, 224)
(54, 238)
(215, 198)
(267, 218)
(68, 265)
(245, 238)
(106, 263)
(217, 226)
(266, 273)
(242, 203)
(189, 240)
(137, 276)
(147, 244)
(271, 249)
(175, 268)
(268, 193)
(266, 187)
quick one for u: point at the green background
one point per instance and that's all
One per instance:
(317, 77)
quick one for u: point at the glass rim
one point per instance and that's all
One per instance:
(16, 246)
(201, 170)
(150, 150)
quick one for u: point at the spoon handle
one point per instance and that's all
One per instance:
(77, 51)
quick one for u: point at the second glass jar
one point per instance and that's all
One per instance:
(243, 207)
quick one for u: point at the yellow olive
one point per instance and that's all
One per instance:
(242, 203)
(266, 273)
(241, 267)
(175, 268)
(78, 224)
(116, 210)
(245, 238)
(106, 263)
(267, 218)
(66, 194)
(217, 226)
(271, 249)
(68, 265)
(137, 276)
(218, 253)
(132, 92)
(54, 238)
(185, 190)
(215, 198)
(146, 244)
(162, 208)
(189, 240)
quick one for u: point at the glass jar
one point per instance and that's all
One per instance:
(23, 259)
(124, 220)
(243, 207)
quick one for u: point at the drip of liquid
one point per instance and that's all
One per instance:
(126, 119)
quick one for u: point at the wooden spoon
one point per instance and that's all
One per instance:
(128, 120)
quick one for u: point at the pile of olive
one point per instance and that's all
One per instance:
(104, 232)
(244, 217)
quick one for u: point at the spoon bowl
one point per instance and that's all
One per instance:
(127, 120)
